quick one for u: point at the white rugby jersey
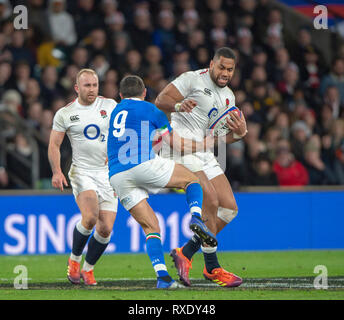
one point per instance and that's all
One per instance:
(210, 98)
(87, 130)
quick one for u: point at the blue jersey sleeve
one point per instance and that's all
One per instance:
(160, 121)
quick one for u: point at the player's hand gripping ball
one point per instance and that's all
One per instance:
(219, 126)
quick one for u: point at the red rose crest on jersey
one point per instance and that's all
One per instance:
(227, 102)
(103, 113)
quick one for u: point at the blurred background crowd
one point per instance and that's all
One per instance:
(290, 91)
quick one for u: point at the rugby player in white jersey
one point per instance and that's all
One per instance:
(193, 99)
(86, 122)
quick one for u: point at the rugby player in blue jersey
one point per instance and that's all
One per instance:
(135, 170)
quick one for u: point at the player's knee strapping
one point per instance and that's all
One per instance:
(194, 197)
(227, 215)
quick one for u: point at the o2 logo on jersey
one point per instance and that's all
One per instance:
(213, 112)
(92, 132)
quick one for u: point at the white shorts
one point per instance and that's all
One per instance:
(83, 180)
(133, 185)
(198, 161)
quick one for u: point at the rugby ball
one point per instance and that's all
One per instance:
(218, 127)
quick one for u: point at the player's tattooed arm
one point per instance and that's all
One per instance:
(171, 100)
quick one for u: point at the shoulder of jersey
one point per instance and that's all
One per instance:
(67, 108)
(108, 100)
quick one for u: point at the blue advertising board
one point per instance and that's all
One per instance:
(43, 224)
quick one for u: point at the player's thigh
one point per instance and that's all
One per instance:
(105, 222)
(224, 192)
(87, 202)
(145, 216)
(181, 176)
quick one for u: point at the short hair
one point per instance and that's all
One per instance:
(131, 86)
(82, 71)
(224, 52)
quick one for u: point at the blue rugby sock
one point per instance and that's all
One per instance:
(156, 255)
(194, 198)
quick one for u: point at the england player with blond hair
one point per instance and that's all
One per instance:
(85, 121)
(194, 99)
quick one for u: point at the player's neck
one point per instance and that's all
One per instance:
(84, 103)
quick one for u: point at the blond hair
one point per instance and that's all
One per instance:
(85, 70)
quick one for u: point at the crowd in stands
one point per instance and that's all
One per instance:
(293, 100)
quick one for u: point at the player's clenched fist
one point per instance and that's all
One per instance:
(58, 181)
(186, 105)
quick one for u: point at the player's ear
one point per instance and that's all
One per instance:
(120, 94)
(76, 88)
(144, 93)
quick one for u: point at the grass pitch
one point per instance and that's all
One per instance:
(277, 275)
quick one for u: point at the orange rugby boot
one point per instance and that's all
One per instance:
(222, 277)
(88, 277)
(73, 271)
(183, 265)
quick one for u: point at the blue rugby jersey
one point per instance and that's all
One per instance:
(133, 124)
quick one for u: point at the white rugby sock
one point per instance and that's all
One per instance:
(87, 267)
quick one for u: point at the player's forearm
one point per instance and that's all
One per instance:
(230, 139)
(54, 157)
(166, 103)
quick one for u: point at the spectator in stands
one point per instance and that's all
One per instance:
(34, 115)
(68, 78)
(282, 123)
(236, 169)
(100, 64)
(32, 93)
(80, 57)
(133, 64)
(86, 18)
(37, 15)
(300, 133)
(141, 31)
(121, 44)
(326, 119)
(245, 45)
(50, 87)
(61, 24)
(332, 99)
(96, 43)
(19, 50)
(289, 82)
(21, 76)
(289, 171)
(282, 61)
(319, 173)
(12, 101)
(335, 78)
(262, 174)
(115, 22)
(165, 36)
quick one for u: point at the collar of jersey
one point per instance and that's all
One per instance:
(134, 98)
